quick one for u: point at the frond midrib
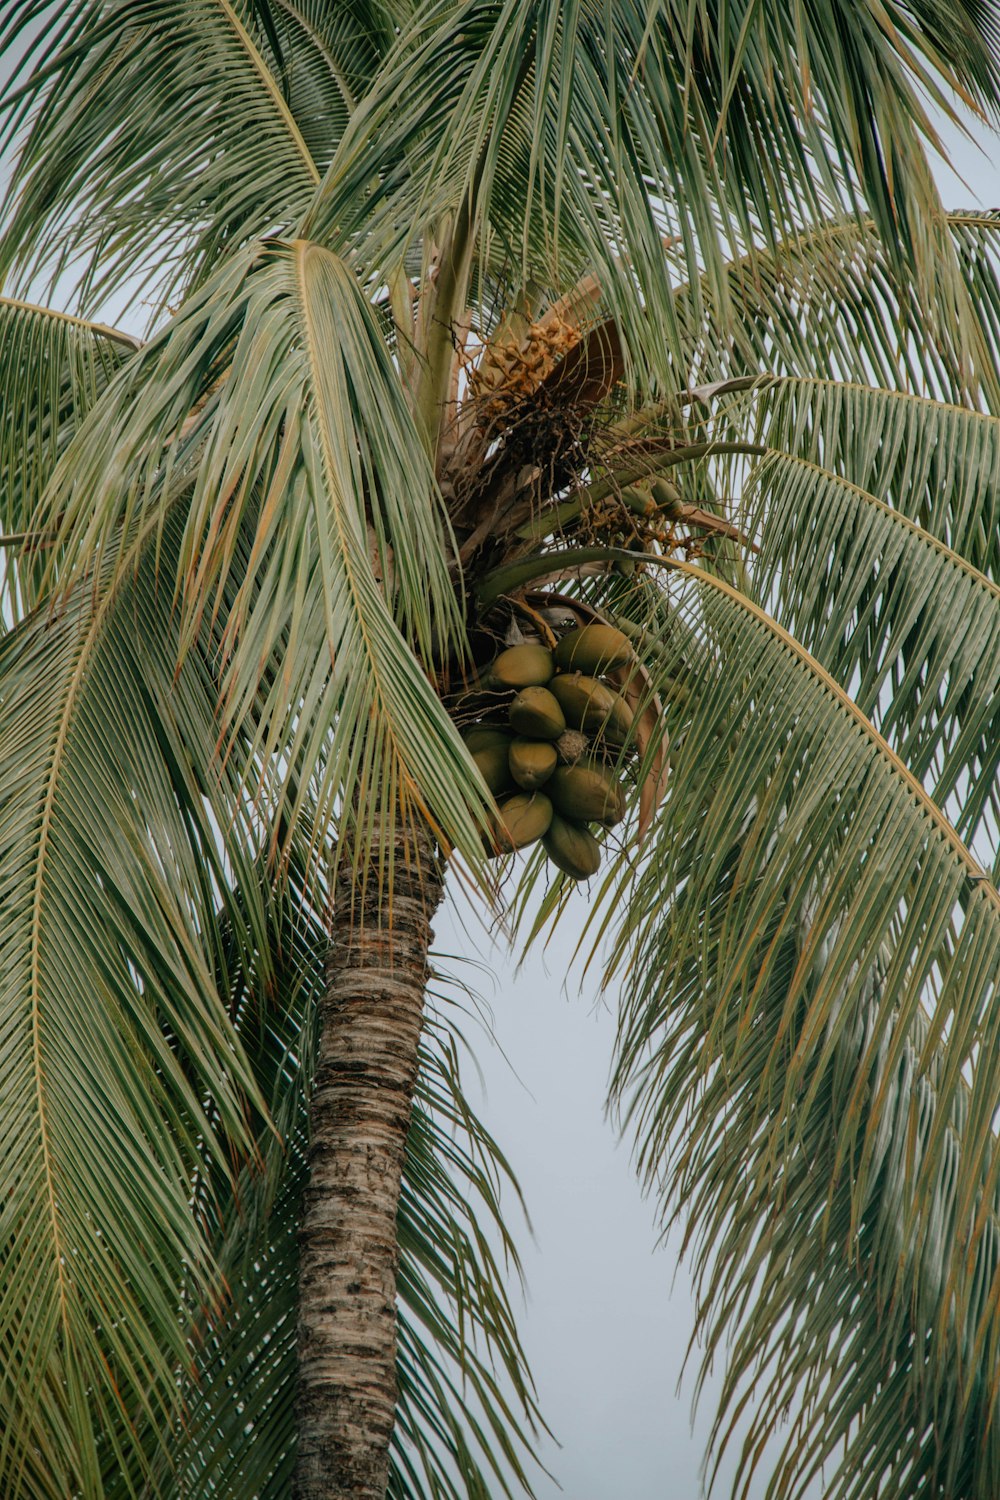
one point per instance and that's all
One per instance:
(268, 80)
(336, 72)
(898, 517)
(909, 398)
(55, 760)
(928, 806)
(103, 330)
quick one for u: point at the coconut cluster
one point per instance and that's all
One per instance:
(544, 744)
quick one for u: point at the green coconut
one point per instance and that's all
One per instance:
(583, 794)
(535, 715)
(531, 762)
(572, 847)
(494, 767)
(522, 819)
(594, 649)
(523, 666)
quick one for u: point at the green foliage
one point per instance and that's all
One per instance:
(115, 1034)
(809, 954)
(53, 369)
(239, 580)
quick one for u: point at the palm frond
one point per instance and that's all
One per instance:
(120, 1073)
(810, 959)
(333, 53)
(893, 588)
(157, 969)
(53, 368)
(579, 139)
(829, 301)
(937, 464)
(132, 163)
(901, 620)
(849, 105)
(305, 470)
(532, 119)
(921, 481)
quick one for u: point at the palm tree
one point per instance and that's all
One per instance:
(471, 323)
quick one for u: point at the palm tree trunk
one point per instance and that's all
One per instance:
(366, 1070)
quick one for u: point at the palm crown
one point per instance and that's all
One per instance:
(468, 317)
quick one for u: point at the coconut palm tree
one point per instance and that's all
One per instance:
(466, 326)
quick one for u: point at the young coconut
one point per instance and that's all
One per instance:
(494, 767)
(535, 714)
(522, 666)
(572, 848)
(584, 794)
(593, 648)
(521, 820)
(532, 762)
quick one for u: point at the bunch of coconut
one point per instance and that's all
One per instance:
(546, 745)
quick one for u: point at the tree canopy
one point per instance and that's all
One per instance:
(465, 322)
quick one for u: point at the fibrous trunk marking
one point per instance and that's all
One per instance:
(366, 1072)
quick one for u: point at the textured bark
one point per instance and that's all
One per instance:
(369, 1030)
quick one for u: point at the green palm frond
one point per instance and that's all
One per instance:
(579, 138)
(305, 467)
(640, 122)
(809, 955)
(898, 618)
(809, 941)
(572, 140)
(894, 587)
(529, 121)
(333, 53)
(53, 368)
(120, 1073)
(829, 301)
(128, 985)
(137, 166)
(937, 464)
